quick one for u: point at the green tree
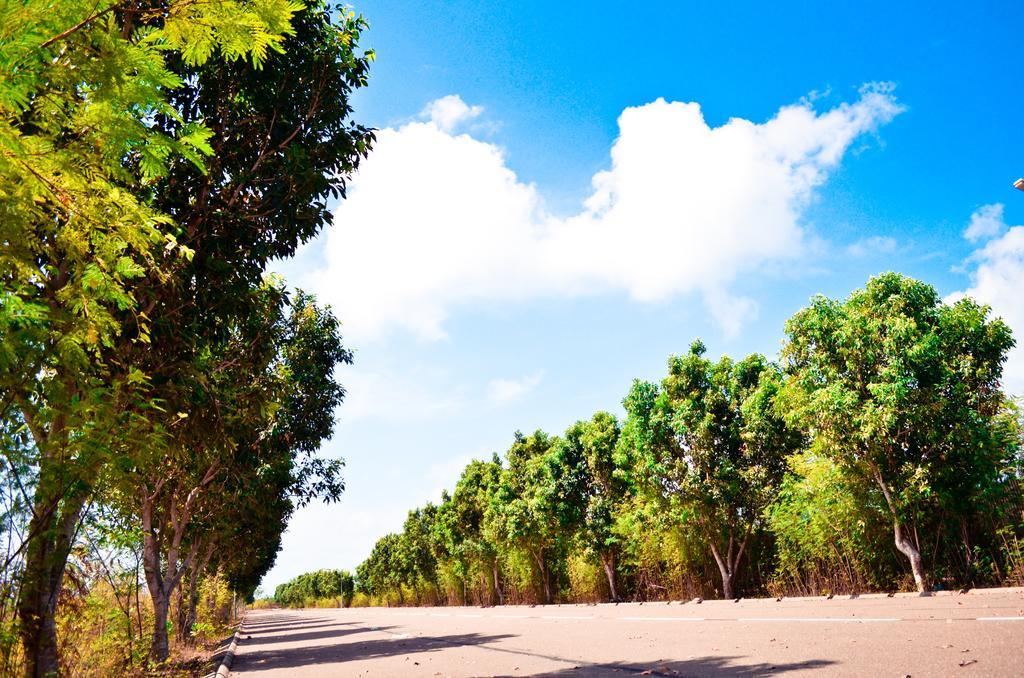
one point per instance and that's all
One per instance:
(713, 448)
(591, 487)
(901, 389)
(470, 532)
(79, 91)
(417, 534)
(524, 506)
(272, 468)
(260, 408)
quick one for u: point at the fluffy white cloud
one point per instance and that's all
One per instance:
(436, 221)
(500, 391)
(997, 279)
(879, 244)
(986, 222)
(450, 111)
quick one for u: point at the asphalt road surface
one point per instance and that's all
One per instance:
(973, 634)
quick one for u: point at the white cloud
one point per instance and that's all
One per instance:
(449, 112)
(878, 244)
(986, 222)
(435, 222)
(500, 391)
(997, 279)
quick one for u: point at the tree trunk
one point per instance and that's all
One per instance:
(497, 583)
(913, 554)
(51, 532)
(162, 584)
(608, 561)
(188, 602)
(538, 556)
(727, 576)
(160, 646)
(903, 543)
(729, 562)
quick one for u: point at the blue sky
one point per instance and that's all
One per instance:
(562, 195)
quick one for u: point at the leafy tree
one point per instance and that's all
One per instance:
(273, 468)
(714, 448)
(591, 487)
(473, 508)
(417, 533)
(902, 389)
(524, 505)
(267, 402)
(285, 117)
(79, 92)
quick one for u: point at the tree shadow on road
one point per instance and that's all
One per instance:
(690, 668)
(335, 631)
(286, 620)
(283, 623)
(295, 657)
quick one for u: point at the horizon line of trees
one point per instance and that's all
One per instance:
(335, 586)
(162, 399)
(878, 453)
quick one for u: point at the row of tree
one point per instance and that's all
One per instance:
(879, 452)
(155, 158)
(338, 585)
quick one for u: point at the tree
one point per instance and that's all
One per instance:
(260, 408)
(713, 447)
(902, 390)
(417, 532)
(524, 508)
(473, 508)
(79, 92)
(591, 487)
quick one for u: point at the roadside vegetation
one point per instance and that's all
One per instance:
(162, 400)
(878, 453)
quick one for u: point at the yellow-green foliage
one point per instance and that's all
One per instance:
(213, 613)
(262, 604)
(826, 538)
(104, 633)
(587, 581)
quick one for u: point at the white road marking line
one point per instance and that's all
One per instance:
(512, 616)
(660, 618)
(819, 619)
(566, 616)
(1000, 618)
(474, 616)
(439, 614)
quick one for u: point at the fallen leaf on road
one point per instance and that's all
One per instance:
(968, 662)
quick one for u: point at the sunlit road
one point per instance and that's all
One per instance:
(977, 634)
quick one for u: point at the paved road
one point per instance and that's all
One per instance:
(977, 634)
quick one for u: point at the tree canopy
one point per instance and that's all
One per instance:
(155, 159)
